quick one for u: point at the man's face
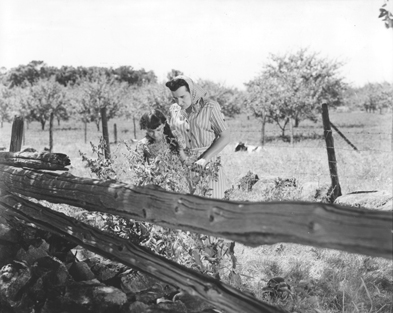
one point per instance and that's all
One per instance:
(182, 97)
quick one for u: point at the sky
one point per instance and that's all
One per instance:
(226, 41)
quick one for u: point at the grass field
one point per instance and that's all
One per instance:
(323, 280)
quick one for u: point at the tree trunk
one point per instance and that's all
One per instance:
(263, 131)
(297, 122)
(115, 132)
(51, 118)
(105, 133)
(283, 128)
(134, 121)
(291, 130)
(42, 124)
(58, 121)
(98, 125)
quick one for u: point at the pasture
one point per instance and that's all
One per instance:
(323, 280)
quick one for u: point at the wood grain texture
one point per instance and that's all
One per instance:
(36, 160)
(213, 291)
(349, 229)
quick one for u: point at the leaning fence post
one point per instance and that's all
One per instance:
(336, 189)
(16, 134)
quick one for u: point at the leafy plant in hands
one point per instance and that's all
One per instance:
(155, 164)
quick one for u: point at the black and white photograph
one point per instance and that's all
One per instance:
(195, 156)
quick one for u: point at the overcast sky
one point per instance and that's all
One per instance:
(226, 41)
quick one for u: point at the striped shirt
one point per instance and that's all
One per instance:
(202, 125)
(205, 123)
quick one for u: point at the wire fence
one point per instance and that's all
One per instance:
(360, 154)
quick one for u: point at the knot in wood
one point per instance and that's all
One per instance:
(214, 214)
(314, 227)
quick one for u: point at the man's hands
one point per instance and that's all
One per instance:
(201, 162)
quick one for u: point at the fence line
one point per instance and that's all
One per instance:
(323, 148)
(242, 130)
(356, 230)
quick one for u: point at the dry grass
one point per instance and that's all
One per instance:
(323, 280)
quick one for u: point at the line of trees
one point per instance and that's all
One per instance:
(289, 89)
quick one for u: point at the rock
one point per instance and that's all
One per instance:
(81, 271)
(135, 282)
(98, 298)
(246, 182)
(380, 200)
(31, 255)
(271, 182)
(81, 254)
(13, 277)
(87, 298)
(173, 307)
(192, 303)
(53, 272)
(150, 295)
(9, 243)
(314, 191)
(105, 270)
(136, 307)
(265, 182)
(8, 235)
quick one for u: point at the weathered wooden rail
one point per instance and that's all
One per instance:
(250, 223)
(25, 175)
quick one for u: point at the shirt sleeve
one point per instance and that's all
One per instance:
(217, 119)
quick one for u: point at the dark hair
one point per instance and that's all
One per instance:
(152, 120)
(155, 119)
(175, 84)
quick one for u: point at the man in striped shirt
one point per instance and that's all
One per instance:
(201, 123)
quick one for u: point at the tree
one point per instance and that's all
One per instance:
(173, 73)
(266, 97)
(100, 91)
(305, 82)
(48, 99)
(386, 13)
(132, 77)
(7, 105)
(25, 75)
(145, 98)
(230, 99)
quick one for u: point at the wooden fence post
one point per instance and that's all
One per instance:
(85, 130)
(336, 189)
(115, 132)
(134, 122)
(16, 134)
(105, 133)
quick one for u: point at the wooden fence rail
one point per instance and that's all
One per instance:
(121, 250)
(251, 223)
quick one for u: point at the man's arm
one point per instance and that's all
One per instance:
(216, 147)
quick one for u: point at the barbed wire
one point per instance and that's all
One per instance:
(321, 177)
(324, 148)
(308, 132)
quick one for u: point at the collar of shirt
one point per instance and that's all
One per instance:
(194, 108)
